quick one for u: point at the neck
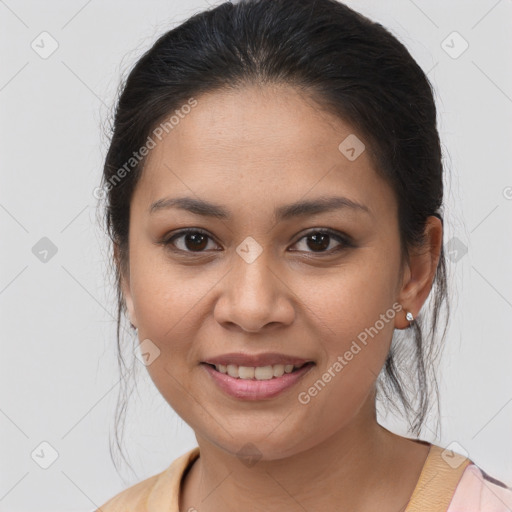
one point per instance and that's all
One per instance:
(354, 469)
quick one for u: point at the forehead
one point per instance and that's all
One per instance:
(258, 144)
(261, 123)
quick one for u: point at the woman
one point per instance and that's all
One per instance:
(274, 192)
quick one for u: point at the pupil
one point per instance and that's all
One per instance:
(321, 239)
(198, 240)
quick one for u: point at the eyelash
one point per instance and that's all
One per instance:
(342, 239)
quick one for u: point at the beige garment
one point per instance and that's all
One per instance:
(160, 493)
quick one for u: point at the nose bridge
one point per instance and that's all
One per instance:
(254, 295)
(253, 280)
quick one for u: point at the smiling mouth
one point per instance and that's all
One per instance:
(268, 372)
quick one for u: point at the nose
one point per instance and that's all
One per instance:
(254, 297)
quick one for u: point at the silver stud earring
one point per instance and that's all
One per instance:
(409, 316)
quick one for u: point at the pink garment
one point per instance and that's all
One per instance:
(479, 492)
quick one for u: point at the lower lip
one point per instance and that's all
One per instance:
(256, 389)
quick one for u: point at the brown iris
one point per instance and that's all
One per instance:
(320, 241)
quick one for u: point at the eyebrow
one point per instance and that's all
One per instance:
(285, 212)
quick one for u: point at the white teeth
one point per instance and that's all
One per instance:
(258, 373)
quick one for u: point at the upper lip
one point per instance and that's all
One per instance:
(267, 359)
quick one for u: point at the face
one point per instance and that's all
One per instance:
(260, 277)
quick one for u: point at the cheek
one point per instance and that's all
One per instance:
(169, 308)
(166, 299)
(352, 298)
(353, 318)
(352, 315)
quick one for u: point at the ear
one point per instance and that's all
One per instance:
(125, 286)
(420, 271)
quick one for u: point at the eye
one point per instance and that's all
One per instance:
(193, 240)
(320, 240)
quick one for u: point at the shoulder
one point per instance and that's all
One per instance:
(133, 498)
(479, 492)
(159, 491)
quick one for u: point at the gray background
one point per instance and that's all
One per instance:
(58, 367)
